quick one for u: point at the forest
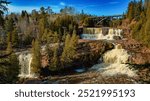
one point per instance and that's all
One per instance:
(139, 13)
(25, 30)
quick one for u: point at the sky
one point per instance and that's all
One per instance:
(95, 7)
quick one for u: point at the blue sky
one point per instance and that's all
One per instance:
(96, 7)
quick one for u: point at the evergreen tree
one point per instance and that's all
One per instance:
(147, 27)
(60, 34)
(64, 35)
(65, 55)
(9, 47)
(135, 9)
(9, 66)
(55, 37)
(138, 10)
(13, 70)
(44, 36)
(49, 10)
(1, 39)
(49, 51)
(88, 22)
(43, 25)
(130, 13)
(141, 31)
(42, 10)
(9, 25)
(73, 43)
(55, 60)
(15, 38)
(3, 4)
(9, 37)
(1, 19)
(36, 57)
(70, 48)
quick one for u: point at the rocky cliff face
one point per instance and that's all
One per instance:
(89, 52)
(140, 54)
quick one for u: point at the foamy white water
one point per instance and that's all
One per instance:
(25, 59)
(115, 62)
(100, 36)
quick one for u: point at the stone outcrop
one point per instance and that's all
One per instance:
(89, 52)
(140, 58)
(140, 54)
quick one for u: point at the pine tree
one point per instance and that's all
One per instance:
(15, 38)
(130, 13)
(1, 19)
(70, 48)
(64, 36)
(9, 37)
(55, 59)
(36, 57)
(138, 9)
(9, 25)
(9, 47)
(60, 35)
(43, 24)
(73, 43)
(13, 70)
(44, 36)
(65, 55)
(141, 31)
(3, 4)
(55, 37)
(147, 27)
(48, 51)
(42, 10)
(9, 68)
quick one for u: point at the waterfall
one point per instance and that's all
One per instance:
(25, 59)
(98, 34)
(111, 34)
(115, 62)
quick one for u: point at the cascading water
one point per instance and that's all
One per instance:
(25, 59)
(111, 34)
(97, 34)
(115, 62)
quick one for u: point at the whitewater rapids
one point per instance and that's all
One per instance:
(115, 63)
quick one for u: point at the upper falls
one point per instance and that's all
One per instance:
(115, 62)
(101, 33)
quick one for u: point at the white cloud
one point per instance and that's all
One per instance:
(62, 4)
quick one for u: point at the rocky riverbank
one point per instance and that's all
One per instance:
(88, 54)
(93, 77)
